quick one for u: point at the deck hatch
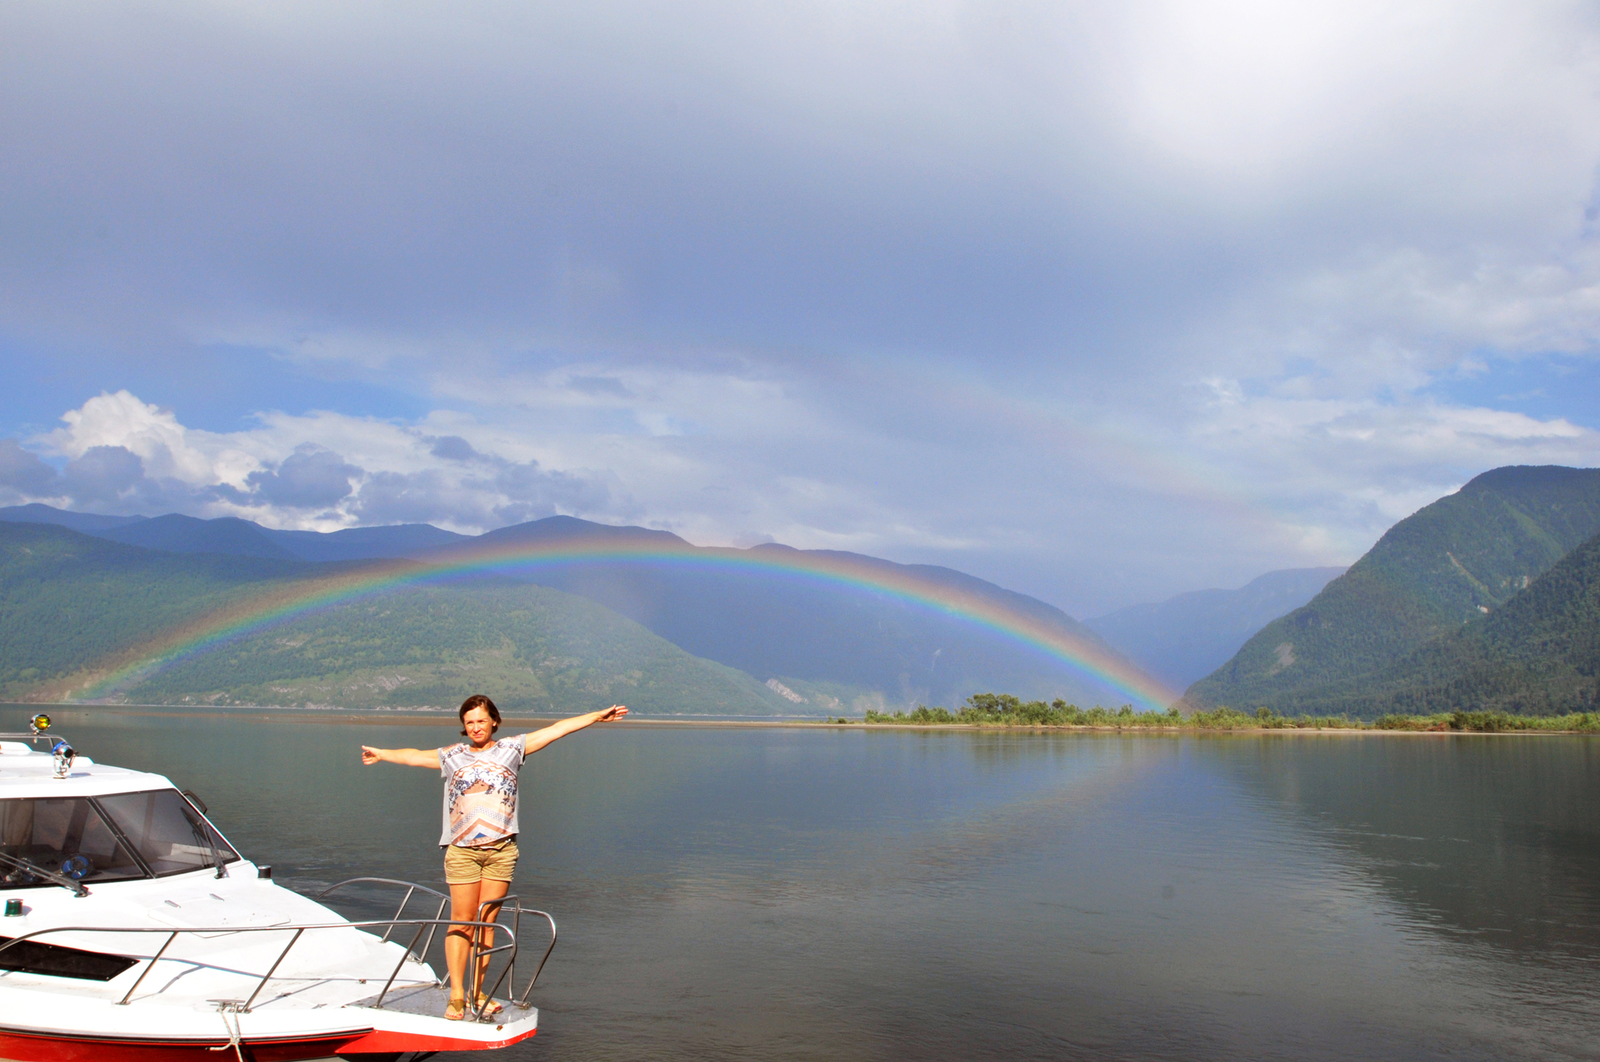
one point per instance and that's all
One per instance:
(55, 960)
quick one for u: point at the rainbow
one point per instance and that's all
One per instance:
(289, 601)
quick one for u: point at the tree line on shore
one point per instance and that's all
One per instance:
(1006, 710)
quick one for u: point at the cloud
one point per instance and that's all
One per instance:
(307, 479)
(393, 473)
(1016, 176)
(512, 494)
(22, 473)
(1231, 483)
(1105, 301)
(111, 478)
(453, 448)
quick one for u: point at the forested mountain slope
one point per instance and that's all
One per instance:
(1456, 559)
(71, 606)
(1539, 654)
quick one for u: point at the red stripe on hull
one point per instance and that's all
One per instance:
(381, 1041)
(55, 1049)
(23, 1048)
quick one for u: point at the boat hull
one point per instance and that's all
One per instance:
(27, 1048)
(30, 1047)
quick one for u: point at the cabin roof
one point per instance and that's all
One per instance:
(26, 772)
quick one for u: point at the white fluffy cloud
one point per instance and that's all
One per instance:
(320, 471)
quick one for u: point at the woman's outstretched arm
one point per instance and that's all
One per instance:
(540, 738)
(404, 757)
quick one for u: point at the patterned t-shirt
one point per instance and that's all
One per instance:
(480, 792)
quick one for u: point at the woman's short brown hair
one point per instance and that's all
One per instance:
(478, 700)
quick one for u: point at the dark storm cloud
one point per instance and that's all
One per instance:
(264, 173)
(309, 479)
(103, 473)
(112, 479)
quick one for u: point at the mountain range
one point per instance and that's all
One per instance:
(241, 538)
(1475, 580)
(73, 607)
(1485, 599)
(807, 644)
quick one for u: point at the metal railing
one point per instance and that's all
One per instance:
(479, 950)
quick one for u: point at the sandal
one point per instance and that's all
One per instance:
(456, 1009)
(487, 1006)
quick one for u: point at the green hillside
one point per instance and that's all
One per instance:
(1455, 560)
(70, 603)
(1539, 654)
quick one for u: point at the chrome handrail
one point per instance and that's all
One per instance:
(516, 931)
(411, 889)
(477, 951)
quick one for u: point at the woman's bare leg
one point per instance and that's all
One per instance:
(457, 943)
(491, 890)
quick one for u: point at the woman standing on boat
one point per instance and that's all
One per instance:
(480, 823)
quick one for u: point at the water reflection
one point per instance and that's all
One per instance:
(838, 893)
(1489, 836)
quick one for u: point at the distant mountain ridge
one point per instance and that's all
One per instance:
(241, 538)
(840, 643)
(86, 523)
(1191, 635)
(1453, 561)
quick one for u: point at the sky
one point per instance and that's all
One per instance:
(1104, 302)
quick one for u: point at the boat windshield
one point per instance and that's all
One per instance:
(167, 832)
(108, 838)
(63, 835)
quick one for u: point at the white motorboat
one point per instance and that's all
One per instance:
(132, 929)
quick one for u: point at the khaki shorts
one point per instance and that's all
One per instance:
(465, 866)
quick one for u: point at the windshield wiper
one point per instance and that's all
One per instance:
(202, 832)
(35, 869)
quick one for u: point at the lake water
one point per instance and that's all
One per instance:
(848, 893)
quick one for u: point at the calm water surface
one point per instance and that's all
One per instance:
(813, 893)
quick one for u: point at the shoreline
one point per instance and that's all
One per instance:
(433, 717)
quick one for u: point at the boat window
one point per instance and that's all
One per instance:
(60, 834)
(168, 832)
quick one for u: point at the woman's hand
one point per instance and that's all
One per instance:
(369, 755)
(615, 712)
